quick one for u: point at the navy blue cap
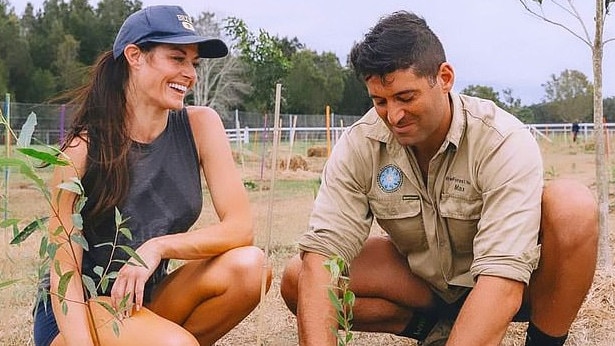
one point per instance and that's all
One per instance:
(165, 24)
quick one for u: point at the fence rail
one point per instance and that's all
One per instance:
(53, 120)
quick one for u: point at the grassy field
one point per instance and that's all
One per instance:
(287, 205)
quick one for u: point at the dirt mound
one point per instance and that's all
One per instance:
(317, 152)
(296, 162)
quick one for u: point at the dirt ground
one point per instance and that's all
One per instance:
(281, 213)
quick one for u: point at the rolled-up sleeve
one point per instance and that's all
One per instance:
(506, 244)
(340, 220)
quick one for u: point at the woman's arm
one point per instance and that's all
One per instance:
(73, 324)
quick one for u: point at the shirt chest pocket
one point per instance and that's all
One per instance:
(402, 219)
(461, 218)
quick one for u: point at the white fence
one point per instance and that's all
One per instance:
(541, 131)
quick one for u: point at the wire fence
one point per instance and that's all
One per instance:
(54, 119)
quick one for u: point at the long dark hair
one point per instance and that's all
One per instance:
(100, 120)
(399, 41)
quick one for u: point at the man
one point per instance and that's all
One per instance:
(575, 130)
(472, 238)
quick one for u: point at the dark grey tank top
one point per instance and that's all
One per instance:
(164, 197)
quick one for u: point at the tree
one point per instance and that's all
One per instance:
(111, 15)
(485, 92)
(513, 105)
(4, 78)
(313, 82)
(220, 84)
(15, 54)
(82, 24)
(596, 44)
(355, 100)
(509, 103)
(290, 47)
(609, 109)
(304, 84)
(570, 96)
(69, 70)
(266, 62)
(330, 66)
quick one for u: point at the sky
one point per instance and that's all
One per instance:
(493, 43)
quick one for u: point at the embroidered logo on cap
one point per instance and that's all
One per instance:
(186, 21)
(390, 178)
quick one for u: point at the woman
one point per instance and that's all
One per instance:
(136, 147)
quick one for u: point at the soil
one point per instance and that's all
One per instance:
(290, 197)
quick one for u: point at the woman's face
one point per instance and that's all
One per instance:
(165, 74)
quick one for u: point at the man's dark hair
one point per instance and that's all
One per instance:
(400, 40)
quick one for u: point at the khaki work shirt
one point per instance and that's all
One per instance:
(478, 215)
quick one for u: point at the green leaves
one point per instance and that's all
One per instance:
(45, 157)
(74, 186)
(341, 297)
(79, 239)
(27, 130)
(37, 224)
(5, 284)
(132, 253)
(63, 284)
(89, 284)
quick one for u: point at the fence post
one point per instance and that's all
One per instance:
(7, 140)
(62, 117)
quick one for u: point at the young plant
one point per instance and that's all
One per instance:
(342, 299)
(69, 236)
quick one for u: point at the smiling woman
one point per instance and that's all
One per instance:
(134, 146)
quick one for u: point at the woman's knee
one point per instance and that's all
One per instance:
(248, 265)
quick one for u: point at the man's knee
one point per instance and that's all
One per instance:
(289, 283)
(569, 213)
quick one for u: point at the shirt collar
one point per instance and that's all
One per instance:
(458, 124)
(381, 132)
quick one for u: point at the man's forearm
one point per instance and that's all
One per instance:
(489, 309)
(315, 314)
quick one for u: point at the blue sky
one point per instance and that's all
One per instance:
(493, 43)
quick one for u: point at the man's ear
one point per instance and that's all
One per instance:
(133, 55)
(446, 76)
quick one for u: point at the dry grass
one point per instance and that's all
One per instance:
(272, 323)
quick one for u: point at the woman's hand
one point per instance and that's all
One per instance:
(132, 277)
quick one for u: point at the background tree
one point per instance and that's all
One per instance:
(16, 64)
(313, 82)
(355, 100)
(570, 96)
(266, 61)
(110, 15)
(507, 101)
(220, 84)
(69, 70)
(513, 105)
(82, 24)
(609, 108)
(596, 44)
(482, 91)
(330, 67)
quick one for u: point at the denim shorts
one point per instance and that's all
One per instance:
(45, 326)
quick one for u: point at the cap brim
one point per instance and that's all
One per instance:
(208, 47)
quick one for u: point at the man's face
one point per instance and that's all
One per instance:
(416, 109)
